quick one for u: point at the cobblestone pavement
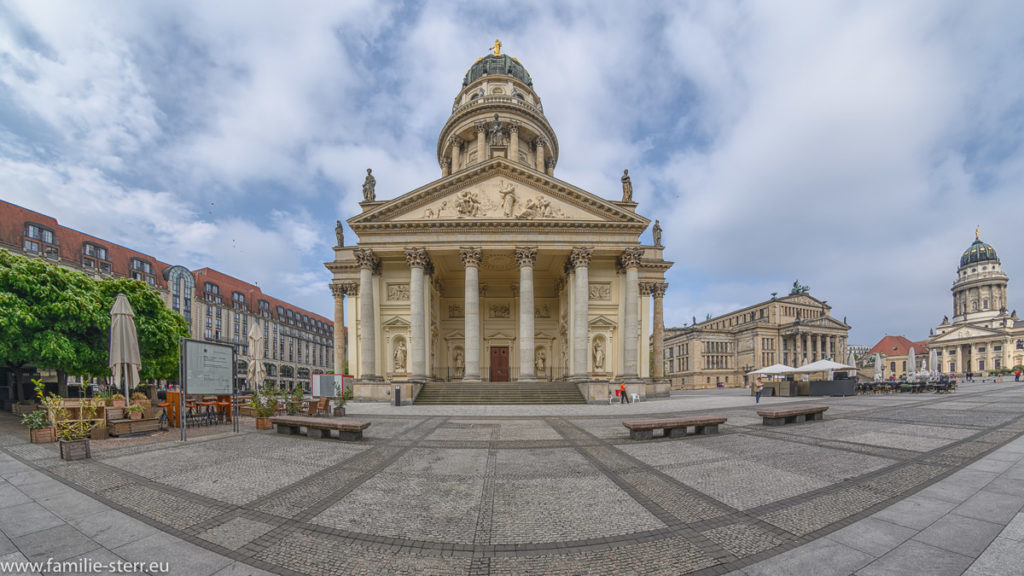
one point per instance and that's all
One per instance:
(539, 490)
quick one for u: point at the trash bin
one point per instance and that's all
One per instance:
(398, 395)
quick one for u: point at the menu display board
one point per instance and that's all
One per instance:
(208, 368)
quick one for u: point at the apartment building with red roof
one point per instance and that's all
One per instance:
(219, 307)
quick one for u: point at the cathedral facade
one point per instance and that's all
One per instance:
(982, 336)
(498, 271)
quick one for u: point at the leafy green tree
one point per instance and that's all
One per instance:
(56, 318)
(158, 327)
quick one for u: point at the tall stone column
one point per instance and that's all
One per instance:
(418, 260)
(471, 260)
(367, 323)
(481, 142)
(821, 350)
(456, 153)
(513, 141)
(580, 259)
(539, 144)
(630, 261)
(799, 350)
(526, 257)
(658, 291)
(338, 292)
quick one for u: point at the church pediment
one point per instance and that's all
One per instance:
(825, 322)
(497, 191)
(965, 332)
(803, 299)
(602, 322)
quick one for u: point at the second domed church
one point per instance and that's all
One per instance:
(983, 335)
(498, 271)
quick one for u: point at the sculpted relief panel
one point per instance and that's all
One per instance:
(601, 291)
(497, 199)
(398, 292)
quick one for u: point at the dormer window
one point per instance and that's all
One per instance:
(94, 251)
(211, 288)
(142, 265)
(37, 232)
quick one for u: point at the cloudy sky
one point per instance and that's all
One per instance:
(854, 146)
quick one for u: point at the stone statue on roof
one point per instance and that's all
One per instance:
(340, 233)
(627, 187)
(369, 194)
(657, 233)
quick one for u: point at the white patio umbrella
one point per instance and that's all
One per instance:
(933, 363)
(773, 369)
(878, 367)
(852, 361)
(125, 360)
(911, 365)
(822, 366)
(257, 373)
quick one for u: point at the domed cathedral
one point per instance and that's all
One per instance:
(499, 272)
(982, 336)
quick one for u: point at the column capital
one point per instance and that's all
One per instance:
(580, 256)
(365, 258)
(659, 289)
(337, 290)
(646, 288)
(481, 126)
(526, 256)
(471, 256)
(631, 257)
(417, 257)
(454, 141)
(350, 288)
(513, 126)
(540, 141)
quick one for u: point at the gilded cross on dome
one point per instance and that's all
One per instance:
(497, 47)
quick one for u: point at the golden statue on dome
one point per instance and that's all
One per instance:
(497, 47)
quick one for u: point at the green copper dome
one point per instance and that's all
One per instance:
(978, 252)
(494, 64)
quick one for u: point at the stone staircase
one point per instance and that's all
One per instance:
(499, 393)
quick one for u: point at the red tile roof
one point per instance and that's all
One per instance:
(13, 219)
(899, 346)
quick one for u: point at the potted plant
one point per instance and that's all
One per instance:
(118, 400)
(340, 401)
(134, 412)
(72, 434)
(294, 400)
(264, 403)
(39, 426)
(142, 399)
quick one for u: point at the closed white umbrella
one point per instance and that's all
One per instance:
(257, 373)
(933, 363)
(125, 360)
(878, 367)
(911, 365)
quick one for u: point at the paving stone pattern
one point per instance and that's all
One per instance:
(561, 493)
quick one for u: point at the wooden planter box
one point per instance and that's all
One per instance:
(339, 411)
(125, 427)
(75, 449)
(43, 435)
(22, 409)
(263, 424)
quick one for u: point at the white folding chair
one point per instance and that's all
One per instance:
(636, 397)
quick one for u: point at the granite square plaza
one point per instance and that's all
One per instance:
(899, 483)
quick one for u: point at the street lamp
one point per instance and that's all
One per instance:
(746, 368)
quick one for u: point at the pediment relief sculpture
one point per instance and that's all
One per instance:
(497, 199)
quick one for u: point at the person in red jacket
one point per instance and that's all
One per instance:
(622, 394)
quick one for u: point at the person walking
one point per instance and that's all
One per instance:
(622, 394)
(758, 388)
(1016, 375)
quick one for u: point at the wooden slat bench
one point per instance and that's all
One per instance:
(320, 427)
(792, 415)
(673, 427)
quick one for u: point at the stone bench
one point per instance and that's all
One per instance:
(320, 427)
(792, 415)
(673, 427)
